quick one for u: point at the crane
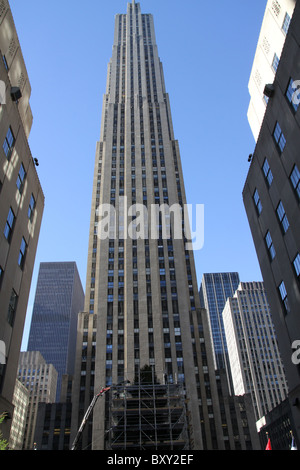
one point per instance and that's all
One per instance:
(88, 412)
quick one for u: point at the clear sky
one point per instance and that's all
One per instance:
(207, 50)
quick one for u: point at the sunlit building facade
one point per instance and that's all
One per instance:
(142, 305)
(21, 205)
(254, 356)
(274, 28)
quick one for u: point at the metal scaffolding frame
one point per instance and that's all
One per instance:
(148, 416)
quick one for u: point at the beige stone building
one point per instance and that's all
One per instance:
(271, 39)
(40, 378)
(21, 204)
(142, 305)
(18, 426)
(253, 351)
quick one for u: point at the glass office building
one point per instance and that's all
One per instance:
(215, 289)
(58, 300)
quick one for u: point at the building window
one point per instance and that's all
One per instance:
(9, 226)
(9, 143)
(292, 95)
(279, 137)
(286, 23)
(257, 202)
(295, 180)
(276, 7)
(22, 254)
(31, 208)
(5, 62)
(266, 99)
(275, 63)
(284, 223)
(267, 172)
(1, 275)
(296, 264)
(21, 178)
(12, 307)
(283, 296)
(270, 246)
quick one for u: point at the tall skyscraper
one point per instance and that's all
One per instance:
(214, 291)
(141, 305)
(271, 199)
(253, 350)
(58, 299)
(21, 205)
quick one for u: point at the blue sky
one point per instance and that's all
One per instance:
(67, 46)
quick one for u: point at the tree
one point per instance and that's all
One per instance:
(146, 376)
(3, 442)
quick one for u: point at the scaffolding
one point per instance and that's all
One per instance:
(148, 416)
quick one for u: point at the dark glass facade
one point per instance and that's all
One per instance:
(214, 291)
(58, 300)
